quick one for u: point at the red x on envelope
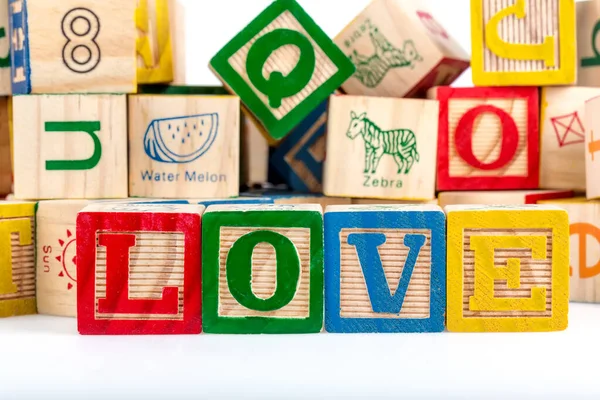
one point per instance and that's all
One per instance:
(568, 129)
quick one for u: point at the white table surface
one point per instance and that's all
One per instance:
(44, 357)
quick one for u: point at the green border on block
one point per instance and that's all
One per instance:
(276, 128)
(211, 227)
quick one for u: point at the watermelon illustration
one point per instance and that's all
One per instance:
(181, 140)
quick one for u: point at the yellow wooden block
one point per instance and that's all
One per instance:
(178, 39)
(5, 152)
(562, 147)
(588, 52)
(155, 55)
(17, 259)
(523, 42)
(508, 268)
(592, 148)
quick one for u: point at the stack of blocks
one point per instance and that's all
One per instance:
(140, 229)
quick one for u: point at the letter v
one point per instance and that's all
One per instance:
(367, 250)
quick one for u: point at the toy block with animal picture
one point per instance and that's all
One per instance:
(17, 258)
(282, 65)
(73, 46)
(6, 173)
(381, 148)
(399, 50)
(138, 269)
(262, 269)
(184, 146)
(501, 197)
(584, 220)
(588, 53)
(70, 146)
(592, 148)
(488, 138)
(254, 153)
(154, 51)
(523, 42)
(385, 268)
(507, 268)
(562, 153)
(5, 39)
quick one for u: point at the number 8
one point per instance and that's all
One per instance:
(81, 42)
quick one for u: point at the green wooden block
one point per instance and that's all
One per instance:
(262, 269)
(291, 67)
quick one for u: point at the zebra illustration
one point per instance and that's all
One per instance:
(399, 143)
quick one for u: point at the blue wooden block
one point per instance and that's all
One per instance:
(299, 166)
(385, 268)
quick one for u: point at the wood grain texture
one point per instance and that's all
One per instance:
(70, 146)
(262, 269)
(562, 155)
(584, 220)
(588, 53)
(500, 197)
(184, 146)
(395, 45)
(178, 42)
(592, 148)
(523, 42)
(17, 259)
(104, 62)
(507, 268)
(6, 171)
(381, 148)
(385, 268)
(488, 138)
(151, 252)
(323, 201)
(5, 76)
(388, 202)
(254, 153)
(154, 50)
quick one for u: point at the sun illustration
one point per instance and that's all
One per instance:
(68, 259)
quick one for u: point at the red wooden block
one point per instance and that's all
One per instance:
(138, 269)
(488, 138)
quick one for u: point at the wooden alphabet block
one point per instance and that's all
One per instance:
(389, 202)
(592, 148)
(17, 258)
(399, 50)
(385, 268)
(184, 146)
(6, 171)
(70, 146)
(5, 38)
(562, 153)
(299, 157)
(177, 18)
(523, 42)
(73, 46)
(500, 197)
(381, 148)
(508, 268)
(262, 269)
(488, 138)
(138, 269)
(588, 53)
(282, 65)
(155, 55)
(254, 153)
(209, 202)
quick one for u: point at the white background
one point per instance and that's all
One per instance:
(44, 357)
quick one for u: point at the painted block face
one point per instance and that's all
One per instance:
(563, 137)
(488, 138)
(588, 53)
(399, 50)
(381, 148)
(6, 172)
(299, 157)
(254, 153)
(184, 146)
(5, 38)
(523, 42)
(288, 70)
(70, 146)
(592, 148)
(17, 259)
(138, 269)
(263, 269)
(501, 197)
(507, 268)
(154, 52)
(73, 46)
(385, 268)
(210, 202)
